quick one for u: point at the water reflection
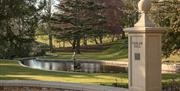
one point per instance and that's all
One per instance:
(85, 66)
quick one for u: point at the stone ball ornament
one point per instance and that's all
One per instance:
(144, 6)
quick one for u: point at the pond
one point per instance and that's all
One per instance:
(76, 66)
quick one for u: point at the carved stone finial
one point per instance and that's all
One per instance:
(144, 7)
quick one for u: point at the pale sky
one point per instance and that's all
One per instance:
(54, 2)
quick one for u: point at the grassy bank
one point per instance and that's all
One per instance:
(118, 50)
(11, 70)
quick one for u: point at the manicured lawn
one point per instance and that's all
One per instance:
(88, 56)
(118, 50)
(11, 70)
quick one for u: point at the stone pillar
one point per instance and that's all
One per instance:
(144, 52)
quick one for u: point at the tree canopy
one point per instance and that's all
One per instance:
(78, 19)
(167, 14)
(18, 21)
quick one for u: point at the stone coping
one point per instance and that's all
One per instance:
(145, 29)
(62, 85)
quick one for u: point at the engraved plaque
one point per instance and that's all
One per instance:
(137, 56)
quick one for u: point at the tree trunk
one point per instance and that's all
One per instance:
(101, 39)
(70, 42)
(49, 27)
(96, 41)
(123, 35)
(74, 44)
(59, 44)
(85, 41)
(113, 37)
(78, 46)
(64, 44)
(118, 36)
(50, 43)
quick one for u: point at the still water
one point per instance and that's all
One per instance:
(78, 66)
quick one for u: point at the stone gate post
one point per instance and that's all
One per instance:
(144, 52)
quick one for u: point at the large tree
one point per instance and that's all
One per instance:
(130, 13)
(167, 14)
(114, 16)
(18, 20)
(80, 19)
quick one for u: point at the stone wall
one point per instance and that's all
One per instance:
(26, 85)
(174, 68)
(21, 88)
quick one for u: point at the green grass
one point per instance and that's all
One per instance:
(90, 41)
(11, 70)
(118, 50)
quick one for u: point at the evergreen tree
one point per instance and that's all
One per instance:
(81, 19)
(130, 12)
(18, 20)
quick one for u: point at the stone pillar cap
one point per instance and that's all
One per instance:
(145, 29)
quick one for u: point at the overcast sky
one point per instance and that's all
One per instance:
(54, 2)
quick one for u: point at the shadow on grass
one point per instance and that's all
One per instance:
(14, 78)
(18, 70)
(171, 76)
(10, 68)
(113, 84)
